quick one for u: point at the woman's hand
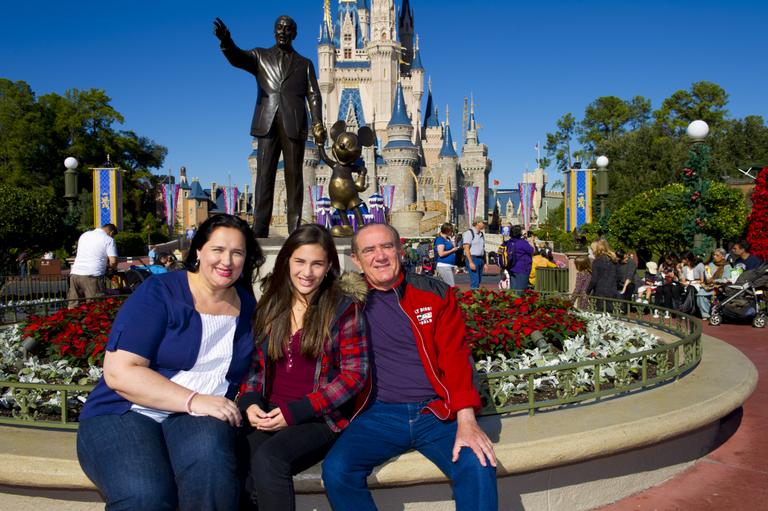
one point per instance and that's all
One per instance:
(216, 406)
(273, 421)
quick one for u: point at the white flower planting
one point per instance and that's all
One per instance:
(605, 337)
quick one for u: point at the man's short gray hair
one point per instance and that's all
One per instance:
(392, 230)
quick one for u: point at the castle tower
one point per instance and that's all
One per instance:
(417, 84)
(326, 63)
(309, 173)
(431, 131)
(400, 154)
(475, 164)
(405, 30)
(447, 167)
(364, 15)
(383, 52)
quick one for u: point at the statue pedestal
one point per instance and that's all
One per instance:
(407, 223)
(271, 246)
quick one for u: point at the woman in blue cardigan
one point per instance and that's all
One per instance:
(158, 432)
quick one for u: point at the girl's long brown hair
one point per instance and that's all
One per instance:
(273, 314)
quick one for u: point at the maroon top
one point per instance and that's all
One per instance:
(293, 376)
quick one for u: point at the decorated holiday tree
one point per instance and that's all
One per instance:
(697, 220)
(757, 223)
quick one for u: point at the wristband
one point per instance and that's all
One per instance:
(188, 404)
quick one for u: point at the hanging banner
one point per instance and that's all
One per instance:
(388, 192)
(526, 191)
(315, 192)
(108, 197)
(470, 202)
(578, 198)
(170, 192)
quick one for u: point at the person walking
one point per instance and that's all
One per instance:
(473, 243)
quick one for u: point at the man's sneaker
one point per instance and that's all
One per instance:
(645, 302)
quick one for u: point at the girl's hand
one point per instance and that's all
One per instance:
(254, 414)
(273, 421)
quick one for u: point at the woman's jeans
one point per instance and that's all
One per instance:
(184, 462)
(387, 430)
(275, 457)
(704, 301)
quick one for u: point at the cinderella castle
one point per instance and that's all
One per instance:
(370, 73)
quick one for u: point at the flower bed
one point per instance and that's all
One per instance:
(66, 347)
(500, 327)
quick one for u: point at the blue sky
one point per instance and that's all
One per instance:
(527, 63)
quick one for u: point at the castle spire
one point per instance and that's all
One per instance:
(447, 150)
(399, 114)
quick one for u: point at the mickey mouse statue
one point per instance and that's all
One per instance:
(347, 148)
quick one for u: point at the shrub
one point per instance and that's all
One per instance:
(130, 244)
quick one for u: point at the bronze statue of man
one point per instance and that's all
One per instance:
(286, 82)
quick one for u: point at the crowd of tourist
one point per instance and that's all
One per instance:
(681, 282)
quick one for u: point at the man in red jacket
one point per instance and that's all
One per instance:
(423, 396)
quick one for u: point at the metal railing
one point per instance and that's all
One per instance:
(656, 366)
(551, 280)
(14, 288)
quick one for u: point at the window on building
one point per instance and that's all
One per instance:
(347, 54)
(347, 38)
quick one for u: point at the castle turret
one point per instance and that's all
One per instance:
(326, 62)
(405, 31)
(383, 52)
(475, 164)
(364, 15)
(401, 154)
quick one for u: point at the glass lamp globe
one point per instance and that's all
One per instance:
(602, 161)
(71, 163)
(697, 130)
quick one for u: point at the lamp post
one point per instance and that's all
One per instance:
(602, 182)
(696, 188)
(70, 183)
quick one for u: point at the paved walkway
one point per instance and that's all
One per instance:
(735, 475)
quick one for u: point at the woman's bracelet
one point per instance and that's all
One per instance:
(188, 404)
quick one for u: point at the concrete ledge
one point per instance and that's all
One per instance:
(687, 411)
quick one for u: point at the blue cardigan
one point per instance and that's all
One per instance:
(159, 322)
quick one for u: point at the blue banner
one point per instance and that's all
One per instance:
(578, 198)
(107, 197)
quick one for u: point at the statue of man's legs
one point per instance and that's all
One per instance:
(270, 147)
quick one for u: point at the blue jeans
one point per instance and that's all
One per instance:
(387, 430)
(476, 276)
(704, 301)
(184, 462)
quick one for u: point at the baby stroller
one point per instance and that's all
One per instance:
(743, 300)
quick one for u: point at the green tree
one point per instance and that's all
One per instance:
(654, 219)
(558, 144)
(30, 220)
(705, 101)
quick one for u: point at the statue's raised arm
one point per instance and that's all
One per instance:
(221, 31)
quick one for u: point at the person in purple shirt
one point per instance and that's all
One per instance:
(519, 259)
